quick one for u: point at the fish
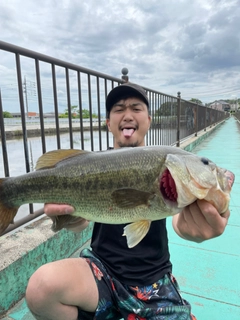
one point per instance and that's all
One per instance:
(132, 186)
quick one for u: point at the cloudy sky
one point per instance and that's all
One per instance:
(191, 46)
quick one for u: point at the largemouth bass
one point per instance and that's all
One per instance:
(127, 185)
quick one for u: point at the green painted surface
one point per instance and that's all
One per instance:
(208, 273)
(201, 138)
(20, 311)
(207, 309)
(14, 278)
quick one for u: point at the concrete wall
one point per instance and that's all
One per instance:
(24, 251)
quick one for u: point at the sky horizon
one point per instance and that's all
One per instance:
(168, 46)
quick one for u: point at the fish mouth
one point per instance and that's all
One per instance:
(231, 177)
(168, 187)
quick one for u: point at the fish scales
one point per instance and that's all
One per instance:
(92, 190)
(134, 185)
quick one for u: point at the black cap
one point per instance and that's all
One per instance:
(125, 90)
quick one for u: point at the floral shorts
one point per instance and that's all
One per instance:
(158, 301)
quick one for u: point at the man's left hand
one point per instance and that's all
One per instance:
(200, 221)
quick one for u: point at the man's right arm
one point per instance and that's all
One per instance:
(52, 210)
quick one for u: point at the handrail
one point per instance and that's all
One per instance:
(45, 58)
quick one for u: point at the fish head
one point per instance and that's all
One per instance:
(187, 178)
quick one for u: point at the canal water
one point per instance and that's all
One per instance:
(15, 149)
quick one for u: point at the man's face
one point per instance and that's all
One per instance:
(129, 122)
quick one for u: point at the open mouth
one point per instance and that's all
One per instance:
(230, 176)
(168, 187)
(128, 132)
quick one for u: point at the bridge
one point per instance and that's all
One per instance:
(207, 272)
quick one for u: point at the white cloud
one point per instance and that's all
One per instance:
(169, 46)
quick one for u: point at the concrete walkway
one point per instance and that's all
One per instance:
(208, 273)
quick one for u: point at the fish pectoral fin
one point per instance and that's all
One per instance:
(51, 158)
(136, 231)
(131, 198)
(65, 221)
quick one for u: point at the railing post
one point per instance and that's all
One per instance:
(178, 117)
(3, 139)
(196, 108)
(205, 120)
(125, 74)
(210, 117)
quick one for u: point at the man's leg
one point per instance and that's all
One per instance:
(56, 289)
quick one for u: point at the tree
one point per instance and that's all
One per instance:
(197, 101)
(75, 113)
(86, 114)
(7, 114)
(167, 109)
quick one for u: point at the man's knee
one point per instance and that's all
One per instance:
(40, 288)
(68, 282)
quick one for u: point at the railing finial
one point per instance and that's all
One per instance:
(124, 74)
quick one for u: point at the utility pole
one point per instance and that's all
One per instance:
(25, 92)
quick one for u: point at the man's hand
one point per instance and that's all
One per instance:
(200, 221)
(53, 210)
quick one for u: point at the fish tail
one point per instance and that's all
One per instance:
(7, 213)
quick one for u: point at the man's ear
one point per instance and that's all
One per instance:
(108, 124)
(150, 121)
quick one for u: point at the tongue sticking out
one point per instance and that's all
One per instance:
(128, 132)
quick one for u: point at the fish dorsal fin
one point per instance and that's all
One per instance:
(131, 198)
(51, 158)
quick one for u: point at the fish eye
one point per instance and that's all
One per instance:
(205, 161)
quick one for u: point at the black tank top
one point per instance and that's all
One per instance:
(142, 265)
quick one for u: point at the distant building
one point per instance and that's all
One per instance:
(220, 105)
(49, 115)
(16, 114)
(32, 115)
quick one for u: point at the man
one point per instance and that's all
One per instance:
(112, 281)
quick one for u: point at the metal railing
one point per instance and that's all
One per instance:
(237, 115)
(173, 118)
